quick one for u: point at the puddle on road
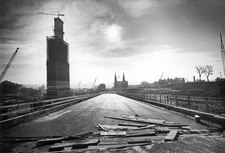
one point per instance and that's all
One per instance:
(52, 116)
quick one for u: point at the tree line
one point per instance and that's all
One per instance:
(207, 70)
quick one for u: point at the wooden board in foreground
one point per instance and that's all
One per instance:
(172, 135)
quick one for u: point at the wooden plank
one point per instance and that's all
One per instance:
(139, 140)
(172, 135)
(132, 120)
(146, 121)
(43, 142)
(49, 141)
(109, 143)
(153, 121)
(175, 125)
(146, 132)
(132, 124)
(83, 134)
(112, 141)
(101, 127)
(60, 139)
(67, 148)
(113, 133)
(81, 144)
(145, 127)
(162, 129)
(117, 127)
(117, 146)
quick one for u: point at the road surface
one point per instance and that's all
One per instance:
(86, 115)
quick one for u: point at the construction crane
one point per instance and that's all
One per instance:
(161, 76)
(58, 14)
(8, 65)
(223, 53)
(94, 84)
(79, 85)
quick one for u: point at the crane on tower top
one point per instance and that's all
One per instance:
(8, 65)
(58, 14)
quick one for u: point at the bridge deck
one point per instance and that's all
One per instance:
(86, 115)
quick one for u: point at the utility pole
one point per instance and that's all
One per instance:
(223, 53)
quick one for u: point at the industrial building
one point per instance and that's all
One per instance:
(58, 80)
(120, 85)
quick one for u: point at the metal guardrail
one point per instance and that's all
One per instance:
(10, 111)
(209, 105)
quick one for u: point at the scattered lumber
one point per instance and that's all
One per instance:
(74, 145)
(49, 141)
(172, 135)
(143, 132)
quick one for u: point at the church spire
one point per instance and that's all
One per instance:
(123, 77)
(115, 81)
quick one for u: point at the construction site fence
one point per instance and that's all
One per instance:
(15, 110)
(204, 104)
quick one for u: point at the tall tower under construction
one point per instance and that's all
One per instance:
(58, 80)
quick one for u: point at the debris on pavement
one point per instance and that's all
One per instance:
(123, 135)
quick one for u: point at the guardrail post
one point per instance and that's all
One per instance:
(207, 105)
(189, 102)
(196, 105)
(176, 101)
(167, 100)
(160, 98)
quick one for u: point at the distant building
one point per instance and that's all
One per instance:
(58, 81)
(120, 85)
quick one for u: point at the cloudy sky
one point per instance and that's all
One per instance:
(141, 38)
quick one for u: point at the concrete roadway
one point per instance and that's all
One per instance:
(86, 115)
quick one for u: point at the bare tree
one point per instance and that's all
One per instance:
(200, 71)
(208, 70)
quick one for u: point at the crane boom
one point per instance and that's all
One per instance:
(8, 65)
(161, 76)
(94, 84)
(58, 14)
(223, 53)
